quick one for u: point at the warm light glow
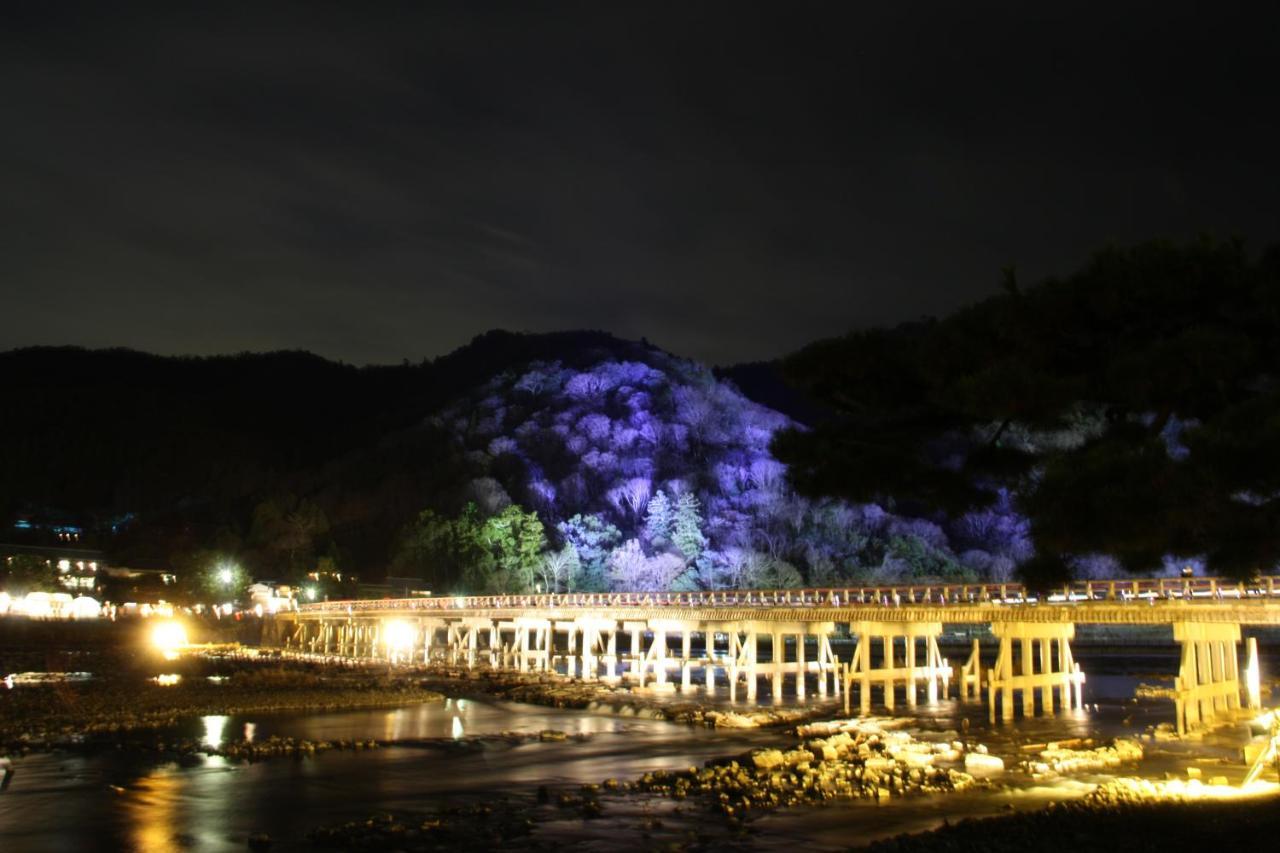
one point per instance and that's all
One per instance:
(36, 605)
(4, 603)
(85, 607)
(400, 636)
(213, 729)
(1253, 681)
(311, 593)
(169, 637)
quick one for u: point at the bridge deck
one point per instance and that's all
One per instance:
(1135, 602)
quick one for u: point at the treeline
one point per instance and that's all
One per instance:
(1132, 410)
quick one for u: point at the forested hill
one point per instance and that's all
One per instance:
(620, 466)
(117, 430)
(1133, 409)
(1124, 419)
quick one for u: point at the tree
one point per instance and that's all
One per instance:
(210, 576)
(286, 530)
(658, 520)
(594, 539)
(441, 550)
(687, 533)
(630, 570)
(25, 573)
(515, 541)
(561, 569)
(941, 415)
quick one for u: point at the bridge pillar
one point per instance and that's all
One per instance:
(1004, 681)
(742, 659)
(935, 672)
(592, 631)
(686, 654)
(533, 643)
(1208, 681)
(657, 658)
(778, 653)
(709, 669)
(970, 677)
(635, 659)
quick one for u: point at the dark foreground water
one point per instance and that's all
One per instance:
(126, 801)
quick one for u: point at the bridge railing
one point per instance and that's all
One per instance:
(889, 595)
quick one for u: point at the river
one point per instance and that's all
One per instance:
(119, 800)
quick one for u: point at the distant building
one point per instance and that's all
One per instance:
(406, 587)
(79, 569)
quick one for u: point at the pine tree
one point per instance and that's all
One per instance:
(687, 535)
(657, 522)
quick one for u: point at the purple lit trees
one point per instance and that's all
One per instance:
(655, 472)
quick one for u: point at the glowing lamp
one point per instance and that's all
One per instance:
(400, 636)
(168, 637)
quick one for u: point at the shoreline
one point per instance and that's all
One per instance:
(106, 710)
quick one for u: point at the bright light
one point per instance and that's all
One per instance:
(311, 593)
(168, 637)
(225, 576)
(85, 608)
(213, 729)
(400, 636)
(37, 605)
(64, 565)
(4, 603)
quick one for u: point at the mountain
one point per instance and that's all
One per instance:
(278, 459)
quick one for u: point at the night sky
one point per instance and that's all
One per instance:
(382, 182)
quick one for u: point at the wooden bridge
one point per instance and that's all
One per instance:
(659, 640)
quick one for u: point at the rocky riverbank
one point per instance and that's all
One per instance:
(48, 716)
(557, 691)
(851, 759)
(1130, 815)
(840, 760)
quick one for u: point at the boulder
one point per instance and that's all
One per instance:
(978, 764)
(767, 759)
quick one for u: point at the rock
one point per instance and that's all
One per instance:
(797, 757)
(980, 764)
(767, 759)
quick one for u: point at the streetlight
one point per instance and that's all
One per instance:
(225, 576)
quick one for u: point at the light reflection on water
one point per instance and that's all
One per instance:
(216, 805)
(213, 730)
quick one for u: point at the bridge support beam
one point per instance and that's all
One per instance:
(1208, 682)
(934, 672)
(1016, 668)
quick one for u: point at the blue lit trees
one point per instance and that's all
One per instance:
(655, 472)
(593, 540)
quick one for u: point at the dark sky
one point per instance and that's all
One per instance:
(374, 182)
